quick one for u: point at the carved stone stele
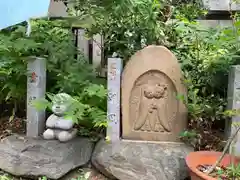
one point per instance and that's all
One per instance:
(151, 82)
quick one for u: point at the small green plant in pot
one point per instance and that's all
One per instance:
(212, 165)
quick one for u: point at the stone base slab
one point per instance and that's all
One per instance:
(26, 157)
(135, 160)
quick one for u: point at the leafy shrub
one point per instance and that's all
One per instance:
(65, 73)
(127, 26)
(46, 40)
(205, 54)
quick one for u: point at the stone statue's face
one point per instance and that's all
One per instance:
(149, 92)
(159, 91)
(61, 103)
(154, 91)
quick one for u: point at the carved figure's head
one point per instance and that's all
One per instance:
(61, 103)
(160, 91)
(155, 91)
(149, 92)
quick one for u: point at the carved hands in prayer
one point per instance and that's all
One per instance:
(59, 122)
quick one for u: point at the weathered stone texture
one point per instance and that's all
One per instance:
(151, 82)
(127, 160)
(27, 157)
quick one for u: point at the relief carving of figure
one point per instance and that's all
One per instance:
(151, 114)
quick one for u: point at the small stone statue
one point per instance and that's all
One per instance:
(58, 126)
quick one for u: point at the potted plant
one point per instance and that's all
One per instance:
(212, 165)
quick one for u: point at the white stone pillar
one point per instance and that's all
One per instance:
(234, 104)
(36, 88)
(114, 95)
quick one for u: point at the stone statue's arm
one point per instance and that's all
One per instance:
(64, 123)
(142, 113)
(51, 121)
(162, 114)
(141, 119)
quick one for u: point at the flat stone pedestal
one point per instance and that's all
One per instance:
(141, 160)
(32, 158)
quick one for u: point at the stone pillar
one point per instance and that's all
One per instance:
(234, 104)
(97, 51)
(221, 5)
(114, 89)
(83, 43)
(36, 89)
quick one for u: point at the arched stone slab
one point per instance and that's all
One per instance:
(151, 81)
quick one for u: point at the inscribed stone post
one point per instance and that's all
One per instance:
(234, 104)
(151, 82)
(113, 112)
(36, 88)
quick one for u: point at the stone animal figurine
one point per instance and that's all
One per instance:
(58, 126)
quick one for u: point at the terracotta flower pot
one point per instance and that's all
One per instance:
(195, 159)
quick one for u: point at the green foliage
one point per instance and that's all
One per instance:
(83, 176)
(5, 177)
(127, 26)
(43, 178)
(233, 171)
(46, 40)
(88, 107)
(91, 105)
(190, 9)
(12, 68)
(65, 73)
(206, 55)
